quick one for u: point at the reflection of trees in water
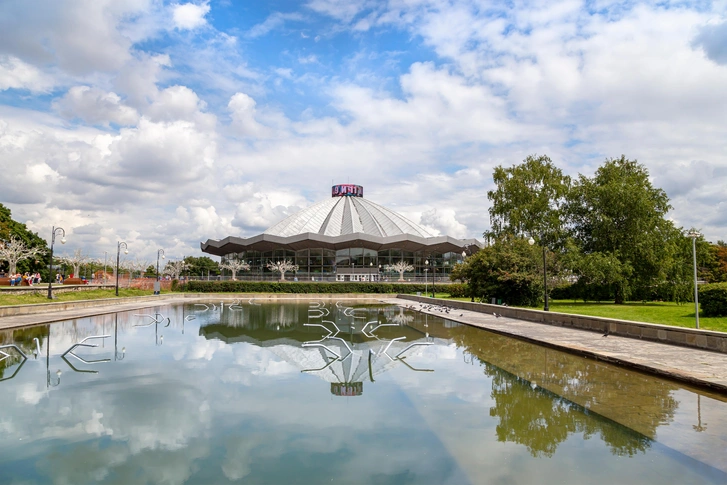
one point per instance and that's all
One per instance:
(541, 420)
(23, 338)
(543, 395)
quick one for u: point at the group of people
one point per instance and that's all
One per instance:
(18, 279)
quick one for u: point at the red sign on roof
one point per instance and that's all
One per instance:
(347, 190)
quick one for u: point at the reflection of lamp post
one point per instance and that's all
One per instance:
(117, 356)
(698, 427)
(694, 235)
(49, 382)
(161, 251)
(531, 241)
(118, 253)
(50, 264)
(434, 275)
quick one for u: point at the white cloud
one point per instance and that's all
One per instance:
(189, 16)
(16, 74)
(95, 107)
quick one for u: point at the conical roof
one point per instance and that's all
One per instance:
(339, 216)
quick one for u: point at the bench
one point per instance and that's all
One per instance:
(74, 281)
(6, 282)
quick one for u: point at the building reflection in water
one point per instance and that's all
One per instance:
(342, 345)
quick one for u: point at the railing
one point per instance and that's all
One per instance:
(439, 280)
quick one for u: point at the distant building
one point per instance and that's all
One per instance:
(346, 237)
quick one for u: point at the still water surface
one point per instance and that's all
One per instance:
(247, 393)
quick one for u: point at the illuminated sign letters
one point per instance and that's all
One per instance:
(347, 190)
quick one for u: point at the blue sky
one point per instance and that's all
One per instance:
(167, 123)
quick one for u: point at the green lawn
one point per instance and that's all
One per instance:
(665, 313)
(8, 298)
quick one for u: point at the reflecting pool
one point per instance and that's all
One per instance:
(334, 392)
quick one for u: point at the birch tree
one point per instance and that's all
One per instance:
(76, 260)
(401, 267)
(16, 250)
(282, 267)
(175, 268)
(235, 265)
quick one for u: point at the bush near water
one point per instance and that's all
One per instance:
(713, 300)
(305, 287)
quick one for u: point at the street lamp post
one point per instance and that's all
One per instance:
(426, 270)
(160, 252)
(118, 254)
(531, 241)
(694, 235)
(434, 275)
(50, 264)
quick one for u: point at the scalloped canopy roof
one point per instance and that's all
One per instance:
(339, 216)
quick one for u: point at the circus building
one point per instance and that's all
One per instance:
(346, 238)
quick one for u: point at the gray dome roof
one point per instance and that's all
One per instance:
(340, 216)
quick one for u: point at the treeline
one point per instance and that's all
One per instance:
(603, 237)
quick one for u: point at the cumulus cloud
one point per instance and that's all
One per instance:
(189, 16)
(713, 40)
(95, 107)
(444, 221)
(16, 74)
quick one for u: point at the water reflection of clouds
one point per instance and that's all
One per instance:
(236, 410)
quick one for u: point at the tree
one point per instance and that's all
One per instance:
(529, 199)
(10, 229)
(507, 270)
(620, 214)
(202, 266)
(400, 267)
(150, 271)
(236, 265)
(16, 250)
(282, 267)
(175, 268)
(76, 260)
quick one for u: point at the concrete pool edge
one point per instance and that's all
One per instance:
(701, 368)
(18, 316)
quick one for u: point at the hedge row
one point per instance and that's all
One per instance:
(305, 287)
(713, 300)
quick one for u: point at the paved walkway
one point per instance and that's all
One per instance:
(43, 318)
(694, 366)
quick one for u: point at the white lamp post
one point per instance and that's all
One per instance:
(118, 254)
(55, 231)
(694, 235)
(426, 288)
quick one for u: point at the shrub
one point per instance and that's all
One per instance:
(713, 299)
(302, 287)
(458, 290)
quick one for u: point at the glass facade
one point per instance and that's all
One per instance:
(327, 263)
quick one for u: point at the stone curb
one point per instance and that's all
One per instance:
(666, 334)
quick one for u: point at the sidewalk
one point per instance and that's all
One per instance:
(17, 321)
(694, 366)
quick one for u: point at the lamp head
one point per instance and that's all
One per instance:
(126, 251)
(162, 256)
(63, 240)
(531, 241)
(693, 234)
(426, 262)
(464, 254)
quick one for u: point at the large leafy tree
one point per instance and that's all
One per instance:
(202, 266)
(529, 200)
(506, 270)
(621, 215)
